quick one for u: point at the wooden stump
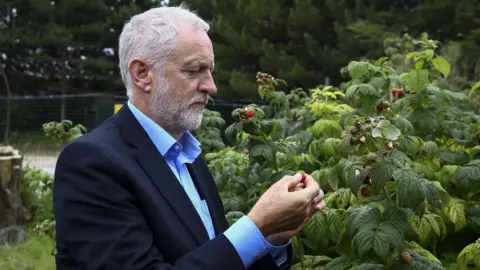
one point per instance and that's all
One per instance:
(12, 211)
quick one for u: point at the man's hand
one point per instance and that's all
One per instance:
(281, 211)
(281, 238)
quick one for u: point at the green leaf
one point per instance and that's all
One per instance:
(380, 61)
(316, 227)
(468, 177)
(232, 131)
(370, 266)
(442, 65)
(262, 91)
(381, 173)
(404, 125)
(429, 53)
(340, 263)
(386, 130)
(417, 80)
(474, 88)
(470, 254)
(363, 89)
(431, 148)
(263, 150)
(362, 217)
(358, 69)
(456, 213)
(410, 190)
(421, 251)
(419, 64)
(378, 82)
(371, 239)
(410, 55)
(233, 203)
(396, 218)
(326, 128)
(311, 262)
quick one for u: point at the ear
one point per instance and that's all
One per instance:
(141, 74)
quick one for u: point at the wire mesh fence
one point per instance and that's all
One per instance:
(29, 113)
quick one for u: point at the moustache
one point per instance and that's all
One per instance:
(202, 100)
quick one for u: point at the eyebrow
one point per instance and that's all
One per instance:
(200, 63)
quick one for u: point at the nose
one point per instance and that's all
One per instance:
(208, 85)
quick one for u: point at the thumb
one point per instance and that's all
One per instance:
(291, 181)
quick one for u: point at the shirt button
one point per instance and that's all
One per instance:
(177, 147)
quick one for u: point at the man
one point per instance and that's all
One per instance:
(135, 194)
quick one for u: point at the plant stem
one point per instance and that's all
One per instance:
(386, 193)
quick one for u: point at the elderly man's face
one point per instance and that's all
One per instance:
(180, 103)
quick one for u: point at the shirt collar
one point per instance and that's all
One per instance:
(163, 141)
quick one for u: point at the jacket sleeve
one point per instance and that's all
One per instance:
(100, 227)
(268, 263)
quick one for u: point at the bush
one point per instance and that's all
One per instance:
(397, 155)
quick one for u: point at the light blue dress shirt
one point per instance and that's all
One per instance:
(243, 234)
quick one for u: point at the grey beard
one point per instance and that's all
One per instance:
(172, 114)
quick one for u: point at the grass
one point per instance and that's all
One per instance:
(33, 254)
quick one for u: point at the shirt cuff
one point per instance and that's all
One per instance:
(278, 253)
(247, 240)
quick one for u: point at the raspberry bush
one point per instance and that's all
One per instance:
(397, 154)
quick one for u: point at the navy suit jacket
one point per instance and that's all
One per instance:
(119, 206)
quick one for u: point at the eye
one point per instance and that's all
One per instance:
(196, 71)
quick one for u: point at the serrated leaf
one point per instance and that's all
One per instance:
(396, 218)
(378, 82)
(370, 239)
(423, 252)
(404, 125)
(363, 89)
(409, 190)
(358, 69)
(381, 173)
(431, 148)
(442, 65)
(263, 150)
(370, 266)
(386, 130)
(434, 193)
(456, 213)
(326, 128)
(311, 262)
(417, 80)
(340, 263)
(468, 177)
(469, 254)
(362, 217)
(316, 227)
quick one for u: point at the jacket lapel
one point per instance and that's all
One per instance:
(206, 187)
(160, 174)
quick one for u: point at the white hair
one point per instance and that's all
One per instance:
(151, 36)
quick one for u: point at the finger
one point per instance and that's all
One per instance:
(317, 199)
(320, 205)
(311, 189)
(309, 181)
(291, 181)
(301, 185)
(321, 194)
(297, 187)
